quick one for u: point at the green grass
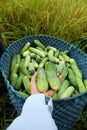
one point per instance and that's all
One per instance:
(65, 19)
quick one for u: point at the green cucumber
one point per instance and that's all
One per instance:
(51, 48)
(60, 66)
(26, 53)
(65, 84)
(42, 82)
(19, 82)
(52, 78)
(23, 94)
(80, 83)
(39, 44)
(51, 57)
(27, 61)
(25, 47)
(54, 96)
(64, 73)
(68, 92)
(26, 83)
(85, 83)
(44, 60)
(36, 51)
(75, 68)
(31, 68)
(72, 77)
(35, 63)
(14, 79)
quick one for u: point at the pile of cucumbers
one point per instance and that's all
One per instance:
(48, 62)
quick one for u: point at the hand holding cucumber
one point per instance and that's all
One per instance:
(33, 87)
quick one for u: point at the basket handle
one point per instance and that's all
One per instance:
(80, 42)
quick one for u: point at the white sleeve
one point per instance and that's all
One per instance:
(36, 115)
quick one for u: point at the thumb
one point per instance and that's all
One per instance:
(50, 92)
(33, 84)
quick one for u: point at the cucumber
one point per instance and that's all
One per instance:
(64, 73)
(72, 77)
(65, 84)
(26, 83)
(31, 68)
(44, 60)
(52, 78)
(23, 94)
(24, 71)
(35, 63)
(75, 68)
(76, 92)
(42, 83)
(13, 62)
(14, 71)
(57, 54)
(49, 66)
(42, 50)
(85, 83)
(66, 52)
(60, 67)
(14, 80)
(54, 96)
(39, 48)
(38, 59)
(27, 61)
(68, 65)
(39, 44)
(50, 48)
(18, 59)
(51, 57)
(66, 57)
(80, 83)
(61, 58)
(33, 55)
(25, 47)
(36, 51)
(26, 53)
(19, 82)
(68, 92)
(16, 68)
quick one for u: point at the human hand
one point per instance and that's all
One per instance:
(34, 89)
(33, 85)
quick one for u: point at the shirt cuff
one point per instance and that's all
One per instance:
(40, 100)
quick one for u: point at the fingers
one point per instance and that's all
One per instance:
(50, 92)
(59, 76)
(33, 79)
(33, 84)
(34, 89)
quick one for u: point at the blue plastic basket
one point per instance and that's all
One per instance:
(66, 111)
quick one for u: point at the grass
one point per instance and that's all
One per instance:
(65, 19)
